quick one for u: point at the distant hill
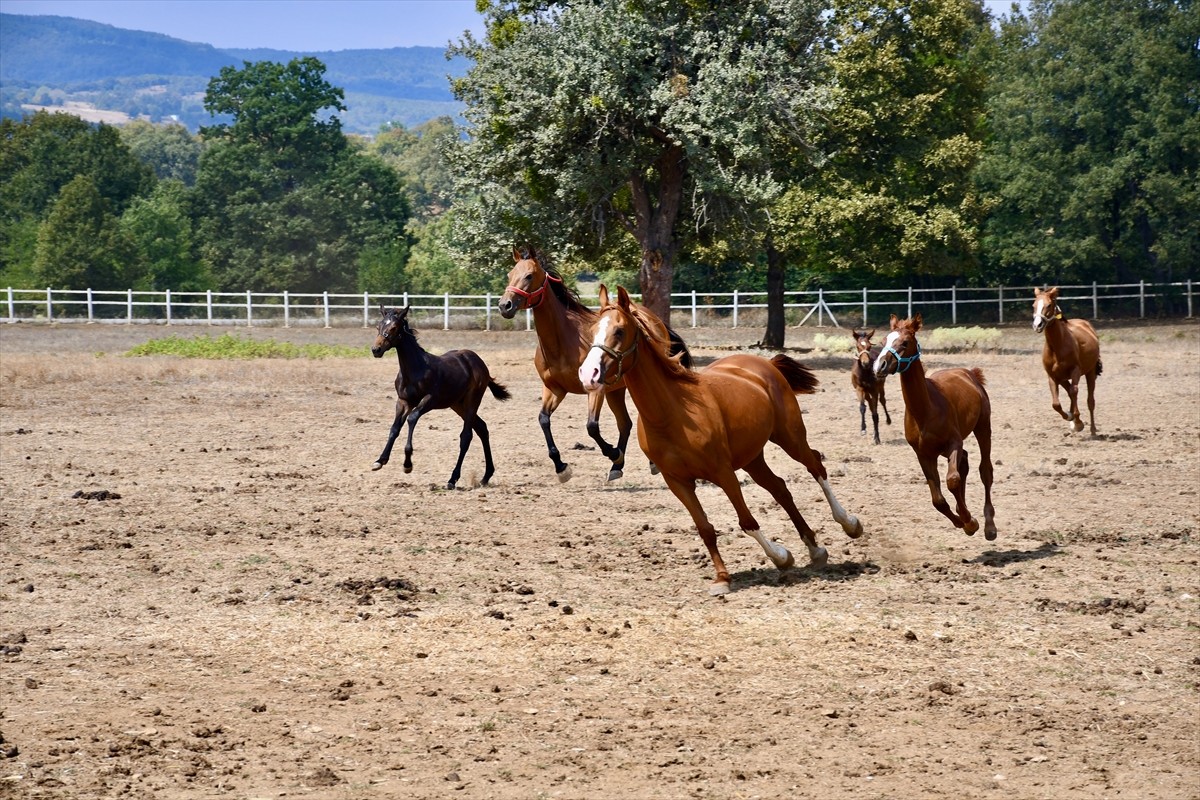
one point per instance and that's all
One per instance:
(112, 73)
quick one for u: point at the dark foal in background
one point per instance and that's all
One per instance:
(456, 380)
(866, 383)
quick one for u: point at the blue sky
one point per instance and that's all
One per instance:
(298, 25)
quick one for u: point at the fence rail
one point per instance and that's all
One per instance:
(865, 307)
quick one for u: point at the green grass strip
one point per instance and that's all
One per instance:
(240, 347)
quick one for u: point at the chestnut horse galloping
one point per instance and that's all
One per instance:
(940, 411)
(705, 425)
(564, 326)
(1071, 351)
(455, 380)
(866, 383)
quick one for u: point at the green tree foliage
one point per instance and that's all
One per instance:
(894, 195)
(282, 201)
(39, 156)
(594, 113)
(1092, 168)
(418, 155)
(160, 229)
(80, 244)
(169, 150)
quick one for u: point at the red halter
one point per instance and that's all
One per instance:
(534, 299)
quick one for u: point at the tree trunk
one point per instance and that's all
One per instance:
(654, 229)
(774, 336)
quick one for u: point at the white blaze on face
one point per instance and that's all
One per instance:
(890, 341)
(1039, 312)
(589, 370)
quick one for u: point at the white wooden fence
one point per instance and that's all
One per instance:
(854, 307)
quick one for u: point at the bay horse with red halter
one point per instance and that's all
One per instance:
(706, 425)
(940, 411)
(1071, 352)
(456, 380)
(564, 325)
(868, 385)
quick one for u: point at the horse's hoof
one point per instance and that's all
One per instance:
(377, 466)
(614, 474)
(857, 530)
(719, 588)
(1077, 427)
(990, 535)
(970, 526)
(785, 563)
(819, 557)
(407, 468)
(653, 468)
(564, 474)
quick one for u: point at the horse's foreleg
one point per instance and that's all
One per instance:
(616, 404)
(413, 416)
(883, 402)
(862, 412)
(1054, 401)
(874, 398)
(957, 469)
(386, 455)
(685, 490)
(551, 401)
(1073, 391)
(929, 468)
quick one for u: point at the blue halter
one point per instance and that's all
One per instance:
(903, 363)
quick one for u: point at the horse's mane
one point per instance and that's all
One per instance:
(660, 348)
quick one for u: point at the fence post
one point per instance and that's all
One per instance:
(1189, 296)
(249, 310)
(287, 316)
(1141, 299)
(366, 305)
(129, 308)
(49, 304)
(326, 302)
(735, 307)
(820, 307)
(953, 305)
(864, 322)
(487, 314)
(528, 319)
(446, 311)
(208, 304)
(1001, 305)
(12, 308)
(910, 302)
(1095, 302)
(91, 318)
(168, 305)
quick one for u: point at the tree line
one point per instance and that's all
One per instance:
(667, 146)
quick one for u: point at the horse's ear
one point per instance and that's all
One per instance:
(404, 311)
(916, 322)
(382, 310)
(603, 294)
(623, 298)
(1053, 293)
(870, 333)
(894, 320)
(516, 254)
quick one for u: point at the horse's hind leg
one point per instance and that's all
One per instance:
(983, 435)
(551, 401)
(875, 413)
(686, 492)
(489, 467)
(766, 478)
(956, 481)
(1073, 391)
(883, 402)
(1091, 390)
(413, 417)
(386, 455)
(795, 444)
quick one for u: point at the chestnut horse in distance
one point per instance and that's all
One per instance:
(940, 411)
(1071, 352)
(564, 327)
(866, 383)
(705, 425)
(455, 380)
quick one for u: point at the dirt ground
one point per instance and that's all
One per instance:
(206, 592)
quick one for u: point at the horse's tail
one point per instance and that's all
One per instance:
(977, 374)
(799, 377)
(498, 390)
(678, 345)
(1099, 367)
